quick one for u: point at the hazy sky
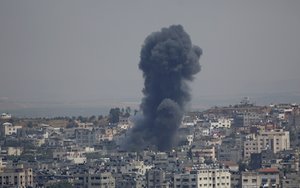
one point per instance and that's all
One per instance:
(72, 52)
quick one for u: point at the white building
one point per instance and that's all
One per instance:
(10, 129)
(5, 116)
(221, 123)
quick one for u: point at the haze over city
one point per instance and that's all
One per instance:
(85, 54)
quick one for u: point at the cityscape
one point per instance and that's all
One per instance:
(241, 145)
(149, 94)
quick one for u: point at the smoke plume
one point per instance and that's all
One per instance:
(168, 61)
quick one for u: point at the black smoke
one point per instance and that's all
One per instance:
(168, 61)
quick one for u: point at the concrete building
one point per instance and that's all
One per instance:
(8, 129)
(220, 123)
(131, 180)
(206, 152)
(97, 180)
(276, 140)
(85, 137)
(203, 178)
(291, 180)
(156, 178)
(137, 167)
(246, 119)
(16, 176)
(14, 151)
(5, 116)
(267, 177)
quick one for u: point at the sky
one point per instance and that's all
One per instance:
(86, 53)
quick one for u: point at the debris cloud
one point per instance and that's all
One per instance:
(168, 61)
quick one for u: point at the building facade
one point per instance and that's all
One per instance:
(203, 178)
(276, 140)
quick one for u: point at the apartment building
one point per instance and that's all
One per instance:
(203, 178)
(220, 123)
(8, 129)
(275, 140)
(156, 178)
(267, 177)
(16, 176)
(99, 180)
(85, 137)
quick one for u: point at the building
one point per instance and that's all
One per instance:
(156, 178)
(206, 152)
(137, 167)
(5, 116)
(97, 180)
(8, 129)
(226, 153)
(220, 123)
(131, 180)
(266, 177)
(16, 176)
(203, 178)
(291, 180)
(275, 140)
(85, 136)
(246, 119)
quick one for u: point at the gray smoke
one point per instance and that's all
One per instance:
(168, 60)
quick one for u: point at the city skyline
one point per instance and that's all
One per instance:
(73, 53)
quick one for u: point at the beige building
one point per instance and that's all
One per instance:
(16, 177)
(9, 129)
(204, 178)
(267, 177)
(276, 140)
(206, 152)
(14, 151)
